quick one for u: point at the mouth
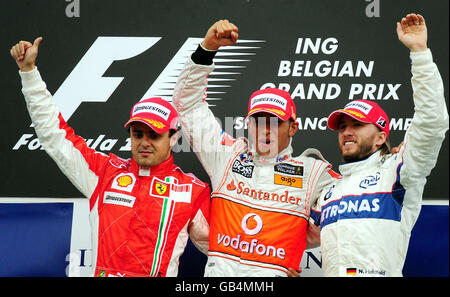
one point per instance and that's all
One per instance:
(348, 144)
(265, 142)
(145, 153)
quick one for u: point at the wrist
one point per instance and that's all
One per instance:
(203, 56)
(419, 48)
(27, 68)
(209, 47)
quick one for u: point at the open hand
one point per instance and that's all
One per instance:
(412, 32)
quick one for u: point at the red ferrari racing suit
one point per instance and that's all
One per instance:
(260, 206)
(140, 218)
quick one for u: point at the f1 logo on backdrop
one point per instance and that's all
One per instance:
(87, 84)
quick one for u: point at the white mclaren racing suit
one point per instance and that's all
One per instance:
(367, 216)
(260, 207)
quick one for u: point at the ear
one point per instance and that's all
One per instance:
(174, 139)
(293, 128)
(380, 139)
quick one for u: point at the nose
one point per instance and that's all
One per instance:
(146, 141)
(267, 124)
(346, 131)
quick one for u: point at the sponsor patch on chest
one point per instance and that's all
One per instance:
(289, 169)
(170, 189)
(244, 170)
(118, 199)
(124, 182)
(289, 181)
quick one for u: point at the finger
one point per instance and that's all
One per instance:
(220, 30)
(37, 41)
(404, 23)
(23, 45)
(234, 36)
(399, 28)
(415, 19)
(421, 19)
(292, 273)
(16, 51)
(235, 28)
(226, 29)
(409, 19)
(229, 26)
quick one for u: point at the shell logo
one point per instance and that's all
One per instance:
(124, 181)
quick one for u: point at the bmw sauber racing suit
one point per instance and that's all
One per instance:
(140, 218)
(367, 216)
(260, 207)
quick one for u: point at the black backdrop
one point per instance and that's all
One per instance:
(364, 31)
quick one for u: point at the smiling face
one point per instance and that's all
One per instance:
(269, 134)
(358, 140)
(149, 148)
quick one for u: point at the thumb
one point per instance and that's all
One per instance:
(399, 29)
(37, 41)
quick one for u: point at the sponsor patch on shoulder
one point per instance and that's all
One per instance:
(244, 170)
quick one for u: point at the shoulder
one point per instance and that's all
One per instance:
(118, 162)
(314, 154)
(188, 177)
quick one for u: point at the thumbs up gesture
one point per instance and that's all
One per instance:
(25, 53)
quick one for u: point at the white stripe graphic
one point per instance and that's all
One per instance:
(227, 59)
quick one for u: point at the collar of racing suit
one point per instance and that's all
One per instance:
(373, 160)
(162, 168)
(284, 154)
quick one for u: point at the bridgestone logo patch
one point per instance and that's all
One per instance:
(118, 199)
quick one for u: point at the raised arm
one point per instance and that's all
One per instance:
(426, 133)
(207, 139)
(80, 164)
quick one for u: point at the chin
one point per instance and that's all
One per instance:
(144, 163)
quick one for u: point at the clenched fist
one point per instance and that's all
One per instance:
(25, 54)
(222, 33)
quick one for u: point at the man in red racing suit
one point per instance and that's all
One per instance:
(143, 209)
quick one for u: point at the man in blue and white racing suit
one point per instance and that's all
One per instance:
(367, 216)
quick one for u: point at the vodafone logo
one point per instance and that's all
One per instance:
(251, 225)
(256, 229)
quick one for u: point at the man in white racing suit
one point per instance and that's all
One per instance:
(367, 216)
(262, 195)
